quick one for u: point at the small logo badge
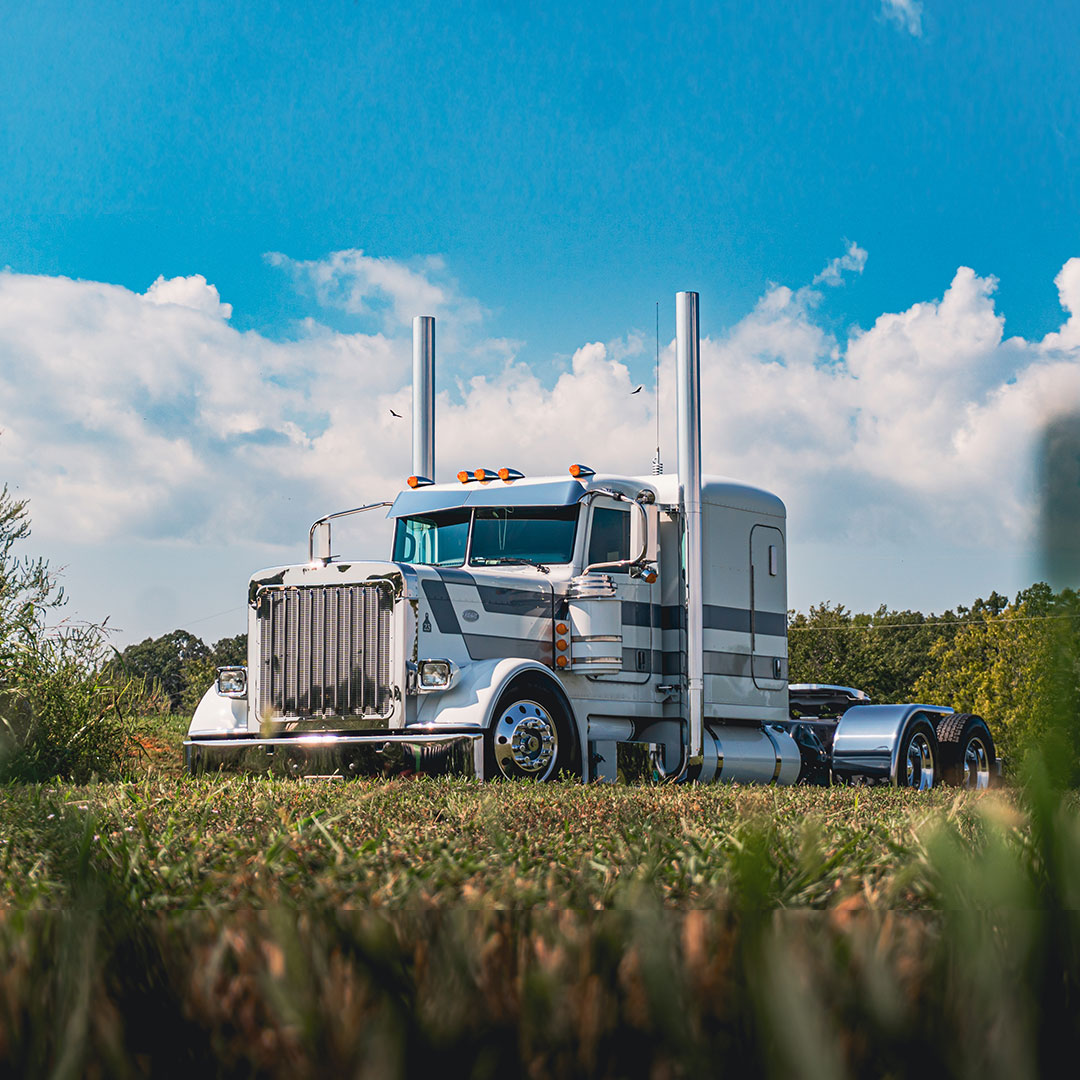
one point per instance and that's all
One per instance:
(427, 624)
(469, 615)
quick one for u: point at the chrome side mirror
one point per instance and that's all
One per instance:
(643, 534)
(321, 546)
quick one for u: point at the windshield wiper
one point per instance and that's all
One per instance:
(508, 560)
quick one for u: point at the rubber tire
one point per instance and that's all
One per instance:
(954, 733)
(919, 724)
(526, 688)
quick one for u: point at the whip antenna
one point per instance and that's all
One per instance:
(657, 464)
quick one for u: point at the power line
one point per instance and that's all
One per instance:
(933, 624)
(206, 618)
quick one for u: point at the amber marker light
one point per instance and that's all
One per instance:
(560, 645)
(506, 475)
(560, 628)
(560, 661)
(464, 476)
(419, 481)
(580, 471)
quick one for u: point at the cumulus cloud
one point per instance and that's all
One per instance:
(190, 292)
(907, 14)
(149, 415)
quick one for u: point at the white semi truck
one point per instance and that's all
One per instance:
(526, 626)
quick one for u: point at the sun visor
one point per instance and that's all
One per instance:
(427, 500)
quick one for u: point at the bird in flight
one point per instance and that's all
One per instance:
(638, 390)
(397, 414)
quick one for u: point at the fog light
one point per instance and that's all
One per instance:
(435, 674)
(232, 681)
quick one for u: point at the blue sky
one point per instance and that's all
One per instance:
(544, 178)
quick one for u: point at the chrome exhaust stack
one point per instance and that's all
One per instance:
(423, 410)
(688, 379)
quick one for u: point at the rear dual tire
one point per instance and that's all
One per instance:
(917, 761)
(967, 751)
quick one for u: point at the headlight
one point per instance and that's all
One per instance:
(434, 675)
(232, 681)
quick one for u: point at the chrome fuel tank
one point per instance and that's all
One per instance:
(749, 755)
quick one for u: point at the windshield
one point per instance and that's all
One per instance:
(538, 534)
(433, 539)
(500, 535)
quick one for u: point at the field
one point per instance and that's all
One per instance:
(251, 926)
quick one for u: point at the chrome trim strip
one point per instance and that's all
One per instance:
(329, 739)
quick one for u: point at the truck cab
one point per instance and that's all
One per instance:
(543, 615)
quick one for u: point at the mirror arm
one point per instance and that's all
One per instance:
(332, 517)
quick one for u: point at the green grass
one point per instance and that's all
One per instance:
(253, 926)
(178, 844)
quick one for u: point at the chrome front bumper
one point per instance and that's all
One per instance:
(372, 753)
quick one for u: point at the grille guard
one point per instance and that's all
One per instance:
(376, 753)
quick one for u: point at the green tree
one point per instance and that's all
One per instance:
(883, 653)
(161, 661)
(58, 717)
(1017, 666)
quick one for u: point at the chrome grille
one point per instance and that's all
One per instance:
(324, 651)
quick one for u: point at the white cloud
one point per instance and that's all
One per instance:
(191, 292)
(394, 291)
(907, 14)
(853, 259)
(141, 416)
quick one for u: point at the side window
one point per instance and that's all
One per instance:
(438, 540)
(609, 540)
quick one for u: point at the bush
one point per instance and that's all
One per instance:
(59, 717)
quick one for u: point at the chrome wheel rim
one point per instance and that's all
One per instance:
(976, 764)
(919, 764)
(526, 741)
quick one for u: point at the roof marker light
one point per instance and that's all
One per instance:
(581, 471)
(465, 476)
(507, 475)
(419, 481)
(484, 475)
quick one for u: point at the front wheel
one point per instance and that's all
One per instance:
(917, 761)
(530, 737)
(967, 751)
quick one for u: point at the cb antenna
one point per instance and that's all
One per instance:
(657, 464)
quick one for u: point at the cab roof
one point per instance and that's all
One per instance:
(566, 491)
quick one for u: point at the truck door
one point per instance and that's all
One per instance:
(768, 608)
(609, 541)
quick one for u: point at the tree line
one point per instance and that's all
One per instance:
(172, 672)
(1016, 663)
